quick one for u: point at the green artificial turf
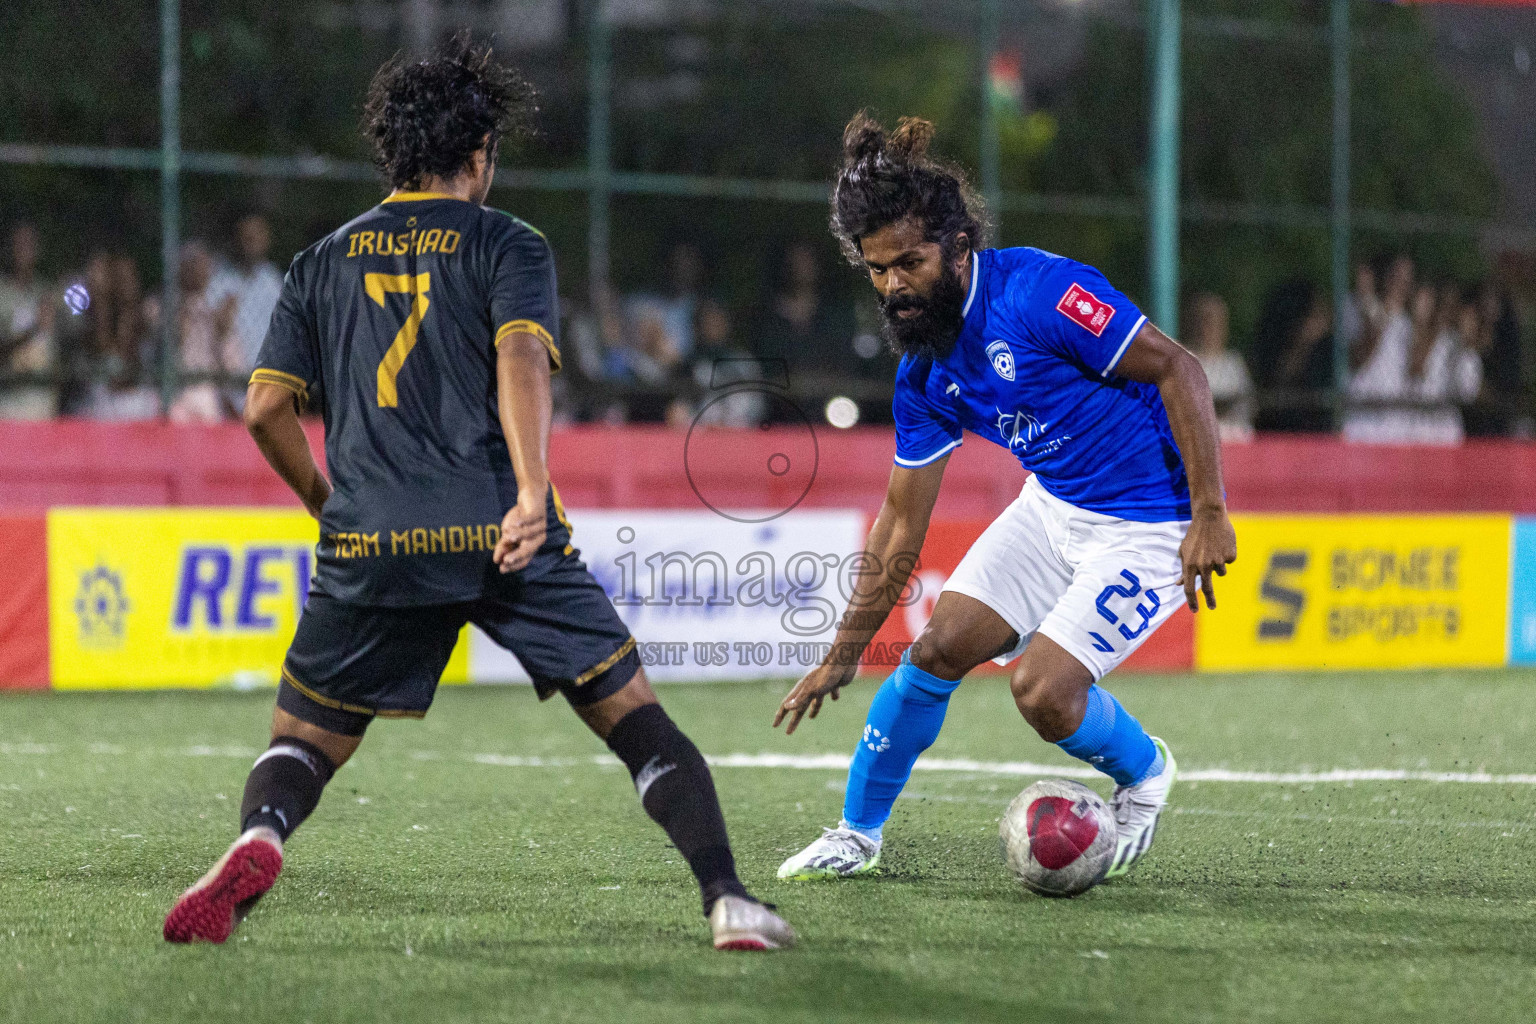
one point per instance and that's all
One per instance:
(431, 886)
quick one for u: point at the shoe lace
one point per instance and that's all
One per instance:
(845, 842)
(1126, 804)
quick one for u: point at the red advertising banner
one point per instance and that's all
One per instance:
(24, 601)
(1170, 649)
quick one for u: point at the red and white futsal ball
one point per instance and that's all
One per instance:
(1058, 837)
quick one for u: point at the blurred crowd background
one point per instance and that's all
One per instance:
(702, 286)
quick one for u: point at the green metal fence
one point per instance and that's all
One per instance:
(1166, 30)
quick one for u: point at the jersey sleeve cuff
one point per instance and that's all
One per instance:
(291, 382)
(1130, 336)
(925, 460)
(537, 330)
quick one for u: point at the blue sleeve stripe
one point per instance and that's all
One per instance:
(915, 463)
(1130, 336)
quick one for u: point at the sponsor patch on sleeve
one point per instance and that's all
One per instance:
(1082, 308)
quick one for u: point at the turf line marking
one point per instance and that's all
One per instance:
(1029, 768)
(516, 761)
(1346, 819)
(839, 762)
(1510, 827)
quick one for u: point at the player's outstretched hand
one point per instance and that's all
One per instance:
(522, 534)
(1208, 548)
(815, 686)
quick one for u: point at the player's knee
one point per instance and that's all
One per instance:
(940, 650)
(1045, 703)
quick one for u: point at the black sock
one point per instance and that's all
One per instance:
(285, 785)
(677, 791)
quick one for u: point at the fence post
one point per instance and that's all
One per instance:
(1339, 37)
(1163, 42)
(991, 176)
(170, 197)
(598, 155)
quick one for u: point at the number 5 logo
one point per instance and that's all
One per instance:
(1282, 588)
(417, 286)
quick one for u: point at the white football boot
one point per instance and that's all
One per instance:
(839, 853)
(1137, 809)
(740, 923)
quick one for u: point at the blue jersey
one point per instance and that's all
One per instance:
(1034, 371)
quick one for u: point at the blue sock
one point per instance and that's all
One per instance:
(903, 721)
(1113, 741)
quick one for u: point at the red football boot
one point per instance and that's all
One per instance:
(209, 910)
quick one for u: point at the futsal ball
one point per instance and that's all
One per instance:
(1058, 838)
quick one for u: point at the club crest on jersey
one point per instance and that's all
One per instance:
(1083, 309)
(1002, 359)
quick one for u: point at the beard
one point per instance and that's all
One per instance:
(933, 331)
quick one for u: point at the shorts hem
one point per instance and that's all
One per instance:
(355, 709)
(602, 680)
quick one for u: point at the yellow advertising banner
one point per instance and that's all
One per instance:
(1341, 592)
(199, 597)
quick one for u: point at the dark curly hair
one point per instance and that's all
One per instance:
(886, 178)
(428, 117)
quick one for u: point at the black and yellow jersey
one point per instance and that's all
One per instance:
(388, 328)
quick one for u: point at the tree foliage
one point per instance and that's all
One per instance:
(762, 92)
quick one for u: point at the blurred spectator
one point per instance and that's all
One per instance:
(1206, 333)
(666, 320)
(806, 329)
(84, 337)
(596, 338)
(1380, 361)
(1439, 375)
(1497, 348)
(635, 363)
(1362, 308)
(718, 362)
(254, 284)
(1293, 358)
(207, 345)
(27, 317)
(652, 354)
(1467, 370)
(124, 345)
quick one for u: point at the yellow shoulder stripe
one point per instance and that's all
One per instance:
(412, 197)
(534, 328)
(293, 383)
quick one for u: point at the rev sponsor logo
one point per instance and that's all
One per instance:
(223, 588)
(1082, 308)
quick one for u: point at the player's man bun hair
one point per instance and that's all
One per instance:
(428, 117)
(888, 176)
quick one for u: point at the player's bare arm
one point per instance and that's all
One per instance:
(272, 417)
(890, 554)
(523, 403)
(1210, 545)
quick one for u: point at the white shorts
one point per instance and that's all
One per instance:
(1096, 585)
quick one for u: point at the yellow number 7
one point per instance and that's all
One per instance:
(377, 286)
